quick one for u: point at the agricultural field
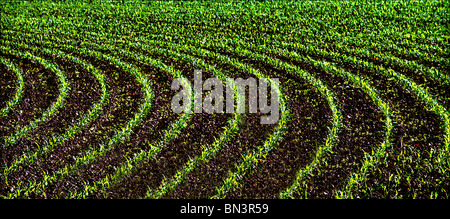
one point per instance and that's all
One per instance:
(85, 99)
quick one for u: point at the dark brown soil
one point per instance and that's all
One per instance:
(362, 130)
(417, 129)
(306, 131)
(207, 176)
(201, 130)
(83, 93)
(437, 89)
(41, 90)
(124, 100)
(145, 134)
(8, 85)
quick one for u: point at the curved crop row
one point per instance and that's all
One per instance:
(430, 72)
(410, 65)
(359, 83)
(260, 152)
(139, 157)
(127, 167)
(310, 78)
(408, 84)
(169, 134)
(117, 138)
(71, 131)
(19, 91)
(252, 157)
(411, 53)
(64, 88)
(405, 82)
(209, 152)
(355, 79)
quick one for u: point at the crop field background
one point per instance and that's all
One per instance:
(85, 99)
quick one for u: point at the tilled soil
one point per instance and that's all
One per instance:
(202, 129)
(306, 131)
(8, 85)
(41, 90)
(83, 93)
(123, 101)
